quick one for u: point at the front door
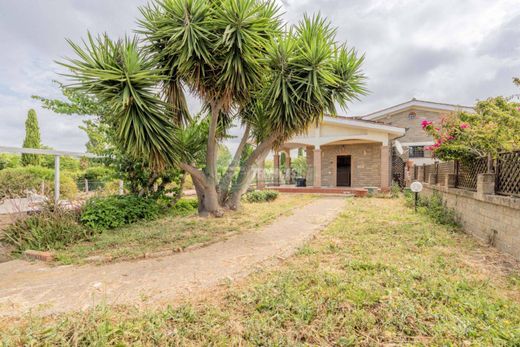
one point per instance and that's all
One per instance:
(343, 171)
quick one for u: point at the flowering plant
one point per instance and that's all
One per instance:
(494, 127)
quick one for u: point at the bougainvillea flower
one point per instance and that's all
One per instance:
(464, 125)
(425, 123)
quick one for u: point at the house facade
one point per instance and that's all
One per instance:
(356, 152)
(409, 115)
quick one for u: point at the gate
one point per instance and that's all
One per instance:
(398, 168)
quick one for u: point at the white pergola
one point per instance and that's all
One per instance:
(56, 154)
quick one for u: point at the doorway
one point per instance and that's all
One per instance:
(343, 171)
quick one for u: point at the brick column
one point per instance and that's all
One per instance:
(317, 167)
(310, 165)
(385, 167)
(276, 173)
(486, 183)
(260, 176)
(450, 180)
(288, 167)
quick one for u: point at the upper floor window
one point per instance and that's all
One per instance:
(412, 115)
(416, 151)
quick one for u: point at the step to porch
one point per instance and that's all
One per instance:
(358, 192)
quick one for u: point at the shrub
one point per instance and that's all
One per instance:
(185, 206)
(9, 161)
(31, 178)
(395, 190)
(188, 183)
(261, 196)
(46, 230)
(66, 163)
(434, 207)
(98, 177)
(115, 211)
(14, 184)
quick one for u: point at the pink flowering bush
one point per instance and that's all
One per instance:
(494, 127)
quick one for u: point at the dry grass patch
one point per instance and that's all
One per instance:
(178, 232)
(379, 275)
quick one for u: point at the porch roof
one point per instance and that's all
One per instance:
(343, 130)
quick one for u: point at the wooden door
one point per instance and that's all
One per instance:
(343, 171)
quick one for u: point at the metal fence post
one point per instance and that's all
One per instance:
(56, 179)
(456, 173)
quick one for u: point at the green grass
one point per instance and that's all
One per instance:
(177, 231)
(379, 275)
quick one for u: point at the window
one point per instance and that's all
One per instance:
(412, 115)
(416, 151)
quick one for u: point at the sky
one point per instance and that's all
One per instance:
(439, 50)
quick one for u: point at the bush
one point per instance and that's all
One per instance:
(115, 211)
(261, 196)
(188, 182)
(395, 190)
(46, 230)
(434, 207)
(97, 176)
(185, 206)
(31, 178)
(66, 163)
(15, 184)
(8, 161)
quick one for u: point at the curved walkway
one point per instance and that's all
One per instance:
(44, 289)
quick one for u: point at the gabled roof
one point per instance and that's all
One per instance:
(436, 106)
(364, 124)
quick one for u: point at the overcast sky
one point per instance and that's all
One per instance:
(446, 51)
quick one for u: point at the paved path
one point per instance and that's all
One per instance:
(46, 290)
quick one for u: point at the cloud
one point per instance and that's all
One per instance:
(442, 50)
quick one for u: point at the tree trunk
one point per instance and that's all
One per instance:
(246, 172)
(207, 195)
(228, 177)
(208, 201)
(211, 153)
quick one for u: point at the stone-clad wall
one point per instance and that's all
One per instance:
(365, 164)
(493, 219)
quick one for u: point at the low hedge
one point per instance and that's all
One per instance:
(261, 196)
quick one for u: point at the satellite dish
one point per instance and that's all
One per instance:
(399, 147)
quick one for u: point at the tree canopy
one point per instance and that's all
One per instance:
(32, 138)
(493, 127)
(240, 60)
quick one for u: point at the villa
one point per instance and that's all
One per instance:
(357, 152)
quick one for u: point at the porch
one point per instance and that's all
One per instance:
(343, 154)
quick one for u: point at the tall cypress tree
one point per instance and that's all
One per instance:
(32, 139)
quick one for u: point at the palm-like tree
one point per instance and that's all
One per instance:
(233, 55)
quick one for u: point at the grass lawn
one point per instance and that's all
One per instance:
(178, 232)
(379, 275)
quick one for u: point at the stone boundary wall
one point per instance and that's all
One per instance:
(494, 219)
